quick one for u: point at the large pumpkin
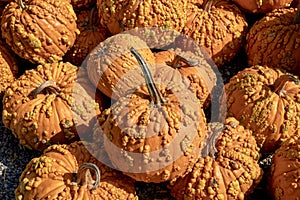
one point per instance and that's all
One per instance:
(262, 6)
(39, 31)
(285, 170)
(274, 40)
(154, 134)
(217, 26)
(266, 101)
(37, 107)
(71, 172)
(228, 168)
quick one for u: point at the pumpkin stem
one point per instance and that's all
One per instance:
(280, 84)
(155, 94)
(180, 58)
(50, 86)
(84, 176)
(297, 17)
(214, 132)
(208, 4)
(21, 4)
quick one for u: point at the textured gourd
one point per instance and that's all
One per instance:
(195, 69)
(121, 15)
(39, 31)
(284, 173)
(37, 106)
(155, 133)
(274, 40)
(266, 101)
(228, 168)
(111, 62)
(71, 172)
(262, 6)
(217, 26)
(91, 34)
(8, 67)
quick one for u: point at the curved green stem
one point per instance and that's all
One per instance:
(155, 94)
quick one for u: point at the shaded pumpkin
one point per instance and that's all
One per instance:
(262, 6)
(110, 61)
(284, 173)
(91, 34)
(266, 101)
(227, 169)
(154, 134)
(37, 107)
(274, 40)
(71, 172)
(218, 26)
(8, 67)
(39, 31)
(79, 5)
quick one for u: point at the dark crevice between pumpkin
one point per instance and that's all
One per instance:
(21, 4)
(156, 97)
(297, 17)
(279, 85)
(83, 177)
(48, 87)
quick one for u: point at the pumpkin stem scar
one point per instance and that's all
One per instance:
(87, 178)
(180, 58)
(297, 17)
(155, 94)
(49, 85)
(21, 4)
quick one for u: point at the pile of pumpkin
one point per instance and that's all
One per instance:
(70, 65)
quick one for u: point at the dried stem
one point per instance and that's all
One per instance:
(180, 58)
(297, 17)
(50, 86)
(87, 178)
(155, 94)
(21, 4)
(280, 84)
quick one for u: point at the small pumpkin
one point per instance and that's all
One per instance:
(154, 134)
(71, 172)
(228, 168)
(122, 15)
(37, 107)
(274, 40)
(218, 26)
(91, 34)
(262, 6)
(284, 173)
(39, 31)
(110, 61)
(266, 101)
(8, 67)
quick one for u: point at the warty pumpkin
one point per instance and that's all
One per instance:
(284, 174)
(110, 63)
(262, 6)
(218, 26)
(91, 34)
(266, 101)
(8, 67)
(227, 169)
(71, 172)
(37, 107)
(39, 31)
(274, 40)
(154, 134)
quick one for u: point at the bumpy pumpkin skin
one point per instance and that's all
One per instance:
(157, 135)
(45, 118)
(219, 29)
(55, 175)
(231, 172)
(122, 15)
(284, 174)
(109, 61)
(262, 6)
(91, 34)
(266, 101)
(39, 31)
(8, 67)
(274, 41)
